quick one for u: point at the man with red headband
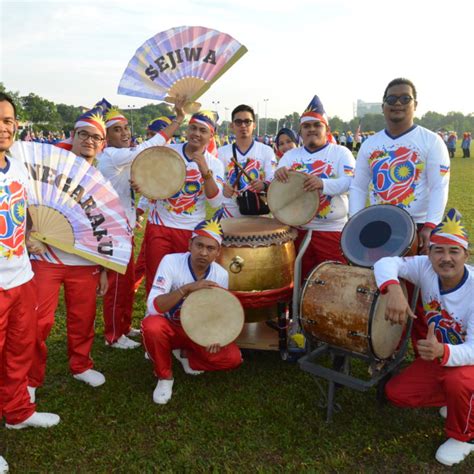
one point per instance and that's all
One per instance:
(171, 221)
(115, 164)
(443, 374)
(83, 280)
(17, 289)
(330, 169)
(178, 275)
(257, 159)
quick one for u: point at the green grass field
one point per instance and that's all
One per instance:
(262, 417)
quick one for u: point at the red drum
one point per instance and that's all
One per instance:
(378, 231)
(342, 306)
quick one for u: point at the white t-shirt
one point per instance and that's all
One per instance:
(258, 161)
(175, 271)
(410, 171)
(334, 164)
(115, 164)
(452, 311)
(187, 207)
(14, 262)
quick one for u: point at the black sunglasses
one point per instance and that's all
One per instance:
(403, 99)
(245, 122)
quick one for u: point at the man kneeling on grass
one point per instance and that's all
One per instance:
(443, 375)
(178, 275)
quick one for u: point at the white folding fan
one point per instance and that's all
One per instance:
(180, 62)
(73, 207)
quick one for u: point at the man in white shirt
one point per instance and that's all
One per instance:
(257, 159)
(115, 164)
(443, 375)
(330, 170)
(178, 275)
(17, 289)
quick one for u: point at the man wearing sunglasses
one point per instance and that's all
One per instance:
(257, 159)
(404, 165)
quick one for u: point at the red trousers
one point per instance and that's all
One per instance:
(118, 302)
(161, 241)
(160, 337)
(428, 384)
(80, 286)
(17, 339)
(324, 246)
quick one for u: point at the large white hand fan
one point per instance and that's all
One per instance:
(73, 207)
(180, 62)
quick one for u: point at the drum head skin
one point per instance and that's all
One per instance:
(376, 232)
(159, 171)
(290, 203)
(212, 316)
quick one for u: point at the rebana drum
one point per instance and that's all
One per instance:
(259, 255)
(378, 231)
(342, 306)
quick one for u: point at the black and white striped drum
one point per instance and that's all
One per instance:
(378, 231)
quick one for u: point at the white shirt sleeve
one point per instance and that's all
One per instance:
(124, 156)
(162, 283)
(268, 165)
(218, 171)
(345, 173)
(463, 354)
(360, 184)
(392, 268)
(438, 181)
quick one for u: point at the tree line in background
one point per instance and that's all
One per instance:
(40, 114)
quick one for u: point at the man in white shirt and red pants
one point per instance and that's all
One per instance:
(443, 374)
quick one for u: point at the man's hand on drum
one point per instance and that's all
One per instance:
(199, 285)
(257, 186)
(312, 183)
(135, 186)
(430, 348)
(397, 308)
(281, 174)
(424, 243)
(213, 348)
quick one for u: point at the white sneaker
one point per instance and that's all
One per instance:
(91, 377)
(185, 363)
(36, 420)
(443, 412)
(3, 465)
(163, 391)
(123, 342)
(134, 332)
(453, 451)
(32, 393)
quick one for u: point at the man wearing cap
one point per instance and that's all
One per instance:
(83, 280)
(330, 169)
(115, 164)
(17, 289)
(256, 158)
(443, 374)
(171, 221)
(178, 275)
(404, 165)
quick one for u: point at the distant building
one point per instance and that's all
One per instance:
(364, 108)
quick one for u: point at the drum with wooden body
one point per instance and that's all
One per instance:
(378, 231)
(212, 316)
(290, 203)
(159, 172)
(259, 255)
(342, 306)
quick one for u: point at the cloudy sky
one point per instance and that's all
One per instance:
(75, 51)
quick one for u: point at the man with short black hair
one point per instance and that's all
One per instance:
(17, 290)
(257, 159)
